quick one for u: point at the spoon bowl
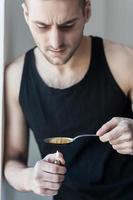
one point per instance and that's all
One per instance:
(66, 140)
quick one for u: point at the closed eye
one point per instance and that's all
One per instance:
(68, 26)
(42, 26)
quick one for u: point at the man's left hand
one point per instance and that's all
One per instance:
(119, 133)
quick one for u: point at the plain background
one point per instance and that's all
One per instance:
(1, 86)
(110, 19)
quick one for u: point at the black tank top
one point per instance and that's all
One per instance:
(94, 169)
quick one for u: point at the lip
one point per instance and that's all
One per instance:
(57, 51)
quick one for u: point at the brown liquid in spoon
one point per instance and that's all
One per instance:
(58, 140)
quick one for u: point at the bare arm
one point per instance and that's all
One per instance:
(119, 130)
(16, 133)
(44, 178)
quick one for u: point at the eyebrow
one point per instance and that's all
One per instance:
(65, 23)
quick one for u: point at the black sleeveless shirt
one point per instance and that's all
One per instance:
(94, 170)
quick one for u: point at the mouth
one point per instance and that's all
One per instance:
(59, 51)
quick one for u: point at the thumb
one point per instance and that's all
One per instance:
(58, 156)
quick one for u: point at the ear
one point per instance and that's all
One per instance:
(25, 12)
(87, 10)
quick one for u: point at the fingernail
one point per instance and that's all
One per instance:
(98, 133)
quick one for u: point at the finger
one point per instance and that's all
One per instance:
(108, 126)
(52, 157)
(116, 142)
(48, 185)
(118, 147)
(44, 176)
(46, 192)
(125, 151)
(123, 146)
(54, 178)
(50, 167)
(111, 135)
(125, 137)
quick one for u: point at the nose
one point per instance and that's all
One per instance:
(55, 39)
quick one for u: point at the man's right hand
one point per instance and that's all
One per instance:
(47, 177)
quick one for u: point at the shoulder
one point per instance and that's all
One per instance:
(120, 61)
(13, 74)
(119, 52)
(16, 65)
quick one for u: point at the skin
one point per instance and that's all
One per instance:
(62, 59)
(119, 133)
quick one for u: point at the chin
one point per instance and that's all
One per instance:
(57, 61)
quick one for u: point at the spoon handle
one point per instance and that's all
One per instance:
(85, 135)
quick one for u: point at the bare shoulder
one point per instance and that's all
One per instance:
(16, 67)
(13, 74)
(119, 52)
(120, 60)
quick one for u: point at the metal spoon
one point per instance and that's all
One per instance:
(66, 140)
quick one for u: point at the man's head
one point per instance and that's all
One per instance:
(57, 26)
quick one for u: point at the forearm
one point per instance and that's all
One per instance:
(18, 175)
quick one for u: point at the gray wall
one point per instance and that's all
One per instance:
(111, 19)
(119, 23)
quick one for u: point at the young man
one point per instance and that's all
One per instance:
(70, 84)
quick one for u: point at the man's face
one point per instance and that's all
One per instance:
(57, 27)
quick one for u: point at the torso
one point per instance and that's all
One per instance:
(84, 107)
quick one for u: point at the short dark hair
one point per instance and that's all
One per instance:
(82, 2)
